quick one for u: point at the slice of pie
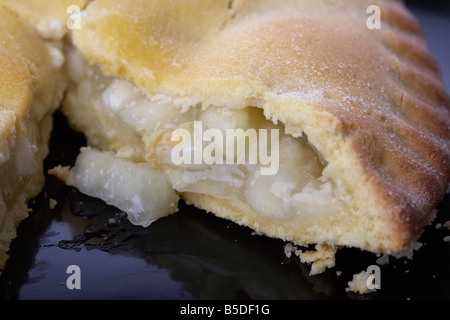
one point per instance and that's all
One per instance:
(361, 154)
(32, 85)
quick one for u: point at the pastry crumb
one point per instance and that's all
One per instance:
(384, 259)
(359, 283)
(447, 239)
(438, 226)
(52, 203)
(60, 172)
(338, 273)
(320, 259)
(112, 222)
(288, 249)
(447, 225)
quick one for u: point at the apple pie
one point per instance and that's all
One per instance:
(32, 86)
(361, 116)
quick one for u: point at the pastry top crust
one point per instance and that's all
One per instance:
(371, 101)
(49, 17)
(26, 65)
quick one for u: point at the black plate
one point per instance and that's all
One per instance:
(194, 255)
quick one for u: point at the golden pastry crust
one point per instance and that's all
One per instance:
(372, 102)
(25, 66)
(31, 89)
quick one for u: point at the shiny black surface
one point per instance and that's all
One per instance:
(194, 255)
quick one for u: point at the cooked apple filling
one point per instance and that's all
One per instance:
(135, 169)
